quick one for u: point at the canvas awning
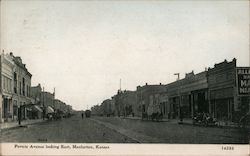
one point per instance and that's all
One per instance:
(38, 108)
(50, 110)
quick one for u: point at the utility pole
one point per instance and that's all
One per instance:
(54, 94)
(120, 84)
(43, 105)
(178, 76)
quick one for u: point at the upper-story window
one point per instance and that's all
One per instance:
(23, 87)
(6, 83)
(15, 83)
(20, 87)
(27, 91)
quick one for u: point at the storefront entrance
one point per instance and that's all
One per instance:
(200, 103)
(6, 109)
(222, 108)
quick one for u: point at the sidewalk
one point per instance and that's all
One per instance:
(14, 124)
(175, 121)
(189, 122)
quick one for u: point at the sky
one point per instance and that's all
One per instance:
(83, 48)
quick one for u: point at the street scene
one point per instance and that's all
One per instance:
(120, 130)
(142, 72)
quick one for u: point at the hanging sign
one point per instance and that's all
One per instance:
(243, 80)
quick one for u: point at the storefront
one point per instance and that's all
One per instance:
(174, 103)
(222, 90)
(7, 108)
(199, 99)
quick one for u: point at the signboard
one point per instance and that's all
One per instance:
(243, 81)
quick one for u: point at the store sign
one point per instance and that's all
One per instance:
(243, 80)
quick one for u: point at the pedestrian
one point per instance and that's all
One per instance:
(181, 115)
(82, 115)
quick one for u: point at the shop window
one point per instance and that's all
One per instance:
(15, 108)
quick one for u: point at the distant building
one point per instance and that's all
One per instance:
(222, 92)
(69, 109)
(129, 103)
(106, 107)
(164, 104)
(47, 100)
(96, 110)
(60, 106)
(143, 94)
(36, 93)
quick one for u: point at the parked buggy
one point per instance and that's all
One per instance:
(204, 119)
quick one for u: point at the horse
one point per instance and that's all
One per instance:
(144, 116)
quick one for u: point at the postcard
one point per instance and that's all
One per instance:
(143, 77)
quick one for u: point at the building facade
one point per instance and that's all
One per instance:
(15, 88)
(7, 68)
(222, 92)
(144, 95)
(226, 102)
(37, 108)
(47, 101)
(22, 85)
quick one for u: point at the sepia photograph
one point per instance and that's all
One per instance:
(122, 77)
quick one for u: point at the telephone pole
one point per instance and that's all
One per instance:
(43, 105)
(120, 84)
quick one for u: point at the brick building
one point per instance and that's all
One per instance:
(36, 93)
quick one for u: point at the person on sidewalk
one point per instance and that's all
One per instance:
(82, 115)
(181, 116)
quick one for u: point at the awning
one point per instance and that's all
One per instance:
(28, 109)
(50, 110)
(38, 108)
